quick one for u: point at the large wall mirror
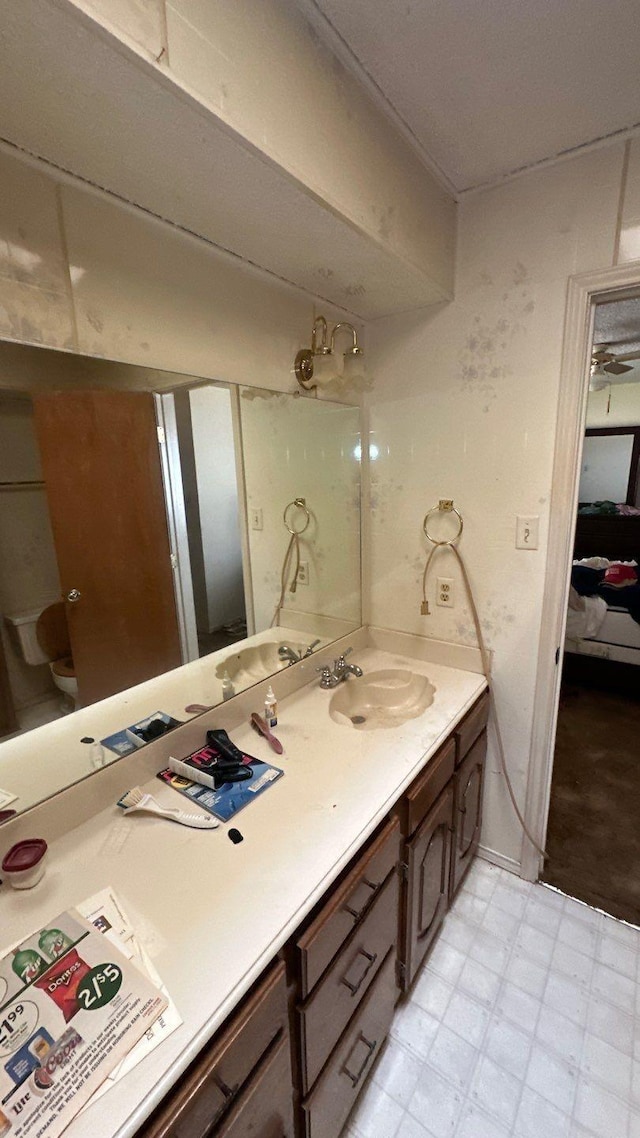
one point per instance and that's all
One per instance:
(146, 548)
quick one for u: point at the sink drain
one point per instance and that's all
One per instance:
(357, 719)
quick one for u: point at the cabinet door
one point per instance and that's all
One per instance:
(427, 888)
(469, 784)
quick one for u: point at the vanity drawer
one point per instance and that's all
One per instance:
(347, 906)
(265, 1107)
(216, 1078)
(424, 791)
(328, 1011)
(326, 1109)
(473, 723)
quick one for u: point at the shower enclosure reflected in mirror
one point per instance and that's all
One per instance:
(145, 523)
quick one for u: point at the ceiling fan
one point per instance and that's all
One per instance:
(604, 364)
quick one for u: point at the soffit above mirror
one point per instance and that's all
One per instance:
(363, 225)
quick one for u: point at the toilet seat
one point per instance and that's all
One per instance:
(52, 633)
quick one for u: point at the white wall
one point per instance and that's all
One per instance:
(465, 405)
(620, 408)
(605, 468)
(215, 463)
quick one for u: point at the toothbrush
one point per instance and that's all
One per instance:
(136, 800)
(261, 726)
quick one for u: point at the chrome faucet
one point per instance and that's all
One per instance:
(285, 652)
(331, 677)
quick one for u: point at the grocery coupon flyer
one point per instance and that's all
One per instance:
(71, 1007)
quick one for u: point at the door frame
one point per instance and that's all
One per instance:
(583, 292)
(176, 524)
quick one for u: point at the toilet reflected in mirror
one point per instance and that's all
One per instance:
(41, 636)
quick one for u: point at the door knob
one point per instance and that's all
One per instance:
(73, 596)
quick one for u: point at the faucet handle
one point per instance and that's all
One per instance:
(343, 656)
(326, 678)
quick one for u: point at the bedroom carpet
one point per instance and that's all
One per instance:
(594, 824)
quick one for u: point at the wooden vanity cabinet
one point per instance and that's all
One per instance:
(240, 1086)
(441, 816)
(345, 972)
(468, 789)
(326, 1109)
(292, 1059)
(471, 752)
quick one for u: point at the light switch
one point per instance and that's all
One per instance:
(256, 518)
(527, 532)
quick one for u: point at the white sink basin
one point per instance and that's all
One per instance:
(253, 663)
(381, 699)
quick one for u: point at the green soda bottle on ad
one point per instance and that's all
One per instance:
(54, 943)
(28, 964)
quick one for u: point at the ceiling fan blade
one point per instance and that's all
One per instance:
(602, 357)
(617, 369)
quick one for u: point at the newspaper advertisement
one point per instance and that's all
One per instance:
(71, 1007)
(105, 910)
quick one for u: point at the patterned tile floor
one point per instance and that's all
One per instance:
(524, 1023)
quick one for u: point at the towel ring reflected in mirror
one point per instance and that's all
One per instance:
(299, 504)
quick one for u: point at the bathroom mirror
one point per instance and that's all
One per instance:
(145, 532)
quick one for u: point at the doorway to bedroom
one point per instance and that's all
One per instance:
(593, 836)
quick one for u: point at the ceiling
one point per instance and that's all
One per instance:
(617, 327)
(490, 87)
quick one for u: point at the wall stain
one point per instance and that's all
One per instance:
(483, 360)
(95, 320)
(495, 620)
(354, 290)
(385, 226)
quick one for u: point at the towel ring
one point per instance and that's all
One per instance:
(300, 504)
(450, 509)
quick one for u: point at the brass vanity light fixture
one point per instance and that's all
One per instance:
(320, 362)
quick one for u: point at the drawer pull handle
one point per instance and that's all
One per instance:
(371, 959)
(371, 1046)
(357, 914)
(228, 1092)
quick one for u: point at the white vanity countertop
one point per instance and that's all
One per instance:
(212, 914)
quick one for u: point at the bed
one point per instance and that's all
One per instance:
(609, 630)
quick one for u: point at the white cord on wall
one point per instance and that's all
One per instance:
(486, 668)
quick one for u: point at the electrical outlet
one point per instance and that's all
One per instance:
(256, 518)
(303, 573)
(445, 595)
